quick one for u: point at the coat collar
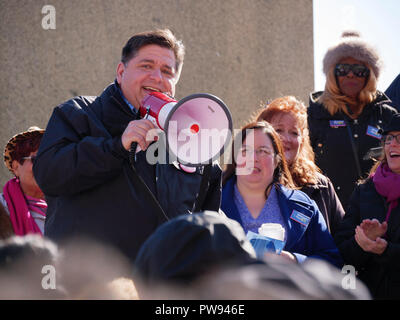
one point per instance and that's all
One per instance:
(320, 112)
(293, 204)
(298, 211)
(113, 112)
(228, 203)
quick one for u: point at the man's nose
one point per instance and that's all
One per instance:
(156, 74)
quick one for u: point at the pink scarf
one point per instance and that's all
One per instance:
(387, 183)
(20, 216)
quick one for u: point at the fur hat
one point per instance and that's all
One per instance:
(18, 138)
(351, 45)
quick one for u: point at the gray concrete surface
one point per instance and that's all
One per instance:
(243, 51)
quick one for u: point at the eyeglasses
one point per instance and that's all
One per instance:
(343, 69)
(32, 158)
(389, 138)
(260, 152)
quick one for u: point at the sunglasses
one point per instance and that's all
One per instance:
(343, 69)
(32, 158)
(389, 138)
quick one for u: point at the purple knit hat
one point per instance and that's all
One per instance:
(351, 45)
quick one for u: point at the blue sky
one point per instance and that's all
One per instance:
(378, 21)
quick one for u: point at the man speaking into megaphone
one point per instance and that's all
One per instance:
(83, 167)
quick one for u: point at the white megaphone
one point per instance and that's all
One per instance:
(198, 127)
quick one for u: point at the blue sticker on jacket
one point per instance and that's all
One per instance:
(373, 132)
(337, 123)
(300, 218)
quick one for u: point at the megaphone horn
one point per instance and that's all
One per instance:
(190, 124)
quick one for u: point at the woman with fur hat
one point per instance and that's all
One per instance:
(369, 235)
(345, 119)
(23, 208)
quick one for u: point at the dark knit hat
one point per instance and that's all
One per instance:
(351, 45)
(394, 124)
(189, 245)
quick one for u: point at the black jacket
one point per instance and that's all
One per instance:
(85, 174)
(393, 92)
(332, 145)
(324, 195)
(381, 273)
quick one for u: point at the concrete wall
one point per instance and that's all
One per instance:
(243, 51)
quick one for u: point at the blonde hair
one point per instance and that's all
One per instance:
(334, 100)
(303, 169)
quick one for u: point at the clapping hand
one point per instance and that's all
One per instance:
(368, 236)
(373, 228)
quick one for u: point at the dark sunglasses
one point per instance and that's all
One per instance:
(389, 138)
(32, 158)
(343, 69)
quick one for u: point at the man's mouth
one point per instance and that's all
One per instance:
(152, 89)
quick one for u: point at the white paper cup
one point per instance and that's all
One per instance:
(272, 230)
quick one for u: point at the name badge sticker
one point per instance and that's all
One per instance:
(337, 123)
(300, 218)
(374, 132)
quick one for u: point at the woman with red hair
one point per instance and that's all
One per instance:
(23, 205)
(288, 116)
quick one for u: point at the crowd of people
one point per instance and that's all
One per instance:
(328, 175)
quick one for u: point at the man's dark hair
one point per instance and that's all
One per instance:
(161, 37)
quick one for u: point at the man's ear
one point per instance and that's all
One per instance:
(178, 73)
(15, 167)
(120, 71)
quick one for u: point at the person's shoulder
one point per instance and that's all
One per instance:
(314, 97)
(365, 184)
(82, 104)
(77, 103)
(295, 195)
(384, 101)
(321, 183)
(298, 200)
(316, 109)
(322, 180)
